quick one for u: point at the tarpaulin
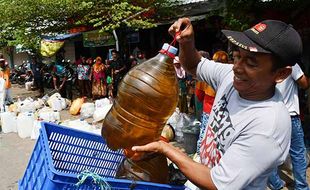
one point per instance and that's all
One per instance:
(50, 47)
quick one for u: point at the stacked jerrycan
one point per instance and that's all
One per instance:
(147, 96)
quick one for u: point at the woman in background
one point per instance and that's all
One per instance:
(99, 87)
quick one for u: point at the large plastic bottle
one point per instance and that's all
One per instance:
(153, 169)
(147, 96)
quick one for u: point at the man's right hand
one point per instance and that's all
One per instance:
(183, 30)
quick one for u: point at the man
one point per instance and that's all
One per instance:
(62, 80)
(249, 129)
(289, 91)
(116, 70)
(5, 74)
(36, 71)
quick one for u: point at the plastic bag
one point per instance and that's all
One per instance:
(174, 118)
(87, 110)
(183, 122)
(100, 113)
(102, 102)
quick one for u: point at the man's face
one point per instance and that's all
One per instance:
(254, 78)
(236, 56)
(114, 55)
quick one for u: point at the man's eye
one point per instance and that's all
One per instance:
(236, 58)
(251, 63)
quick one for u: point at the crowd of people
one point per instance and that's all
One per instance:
(93, 78)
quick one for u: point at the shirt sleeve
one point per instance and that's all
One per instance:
(212, 72)
(296, 72)
(245, 160)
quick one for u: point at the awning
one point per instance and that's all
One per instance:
(61, 37)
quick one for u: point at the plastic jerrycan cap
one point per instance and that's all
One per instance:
(170, 48)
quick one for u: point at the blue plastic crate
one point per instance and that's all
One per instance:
(61, 153)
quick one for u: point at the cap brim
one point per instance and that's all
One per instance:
(241, 40)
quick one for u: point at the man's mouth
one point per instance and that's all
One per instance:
(238, 79)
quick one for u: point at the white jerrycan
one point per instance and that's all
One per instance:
(8, 122)
(25, 124)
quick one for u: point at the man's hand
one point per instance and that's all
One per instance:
(183, 30)
(151, 147)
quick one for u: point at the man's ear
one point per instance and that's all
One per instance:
(283, 73)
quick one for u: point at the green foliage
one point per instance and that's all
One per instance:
(24, 21)
(240, 14)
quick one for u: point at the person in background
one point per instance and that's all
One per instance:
(37, 73)
(289, 91)
(198, 104)
(140, 57)
(116, 70)
(181, 76)
(132, 62)
(206, 94)
(235, 54)
(220, 56)
(249, 128)
(99, 87)
(62, 80)
(83, 75)
(5, 74)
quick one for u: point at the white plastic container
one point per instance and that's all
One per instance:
(2, 95)
(28, 85)
(8, 122)
(39, 103)
(36, 129)
(50, 116)
(25, 124)
(64, 104)
(26, 106)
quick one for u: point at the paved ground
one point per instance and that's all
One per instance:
(15, 152)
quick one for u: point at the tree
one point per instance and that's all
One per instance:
(240, 14)
(24, 22)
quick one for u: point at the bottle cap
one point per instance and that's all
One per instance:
(170, 48)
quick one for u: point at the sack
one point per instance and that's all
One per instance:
(76, 106)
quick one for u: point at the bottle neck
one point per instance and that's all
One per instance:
(163, 57)
(167, 53)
